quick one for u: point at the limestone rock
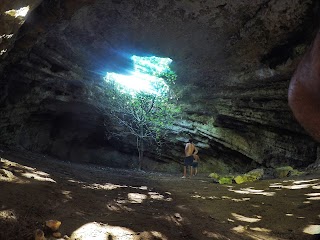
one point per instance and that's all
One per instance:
(53, 224)
(233, 69)
(56, 234)
(282, 172)
(251, 176)
(39, 235)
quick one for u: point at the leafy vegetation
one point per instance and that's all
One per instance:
(146, 115)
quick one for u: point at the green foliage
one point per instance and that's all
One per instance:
(215, 176)
(226, 180)
(152, 112)
(145, 115)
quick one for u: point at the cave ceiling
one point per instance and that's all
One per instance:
(233, 59)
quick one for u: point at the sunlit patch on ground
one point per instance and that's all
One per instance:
(132, 197)
(313, 196)
(176, 218)
(3, 51)
(22, 174)
(219, 198)
(252, 191)
(240, 200)
(298, 185)
(198, 196)
(21, 12)
(118, 207)
(6, 36)
(255, 233)
(99, 231)
(8, 215)
(136, 197)
(312, 229)
(214, 235)
(159, 197)
(295, 185)
(246, 219)
(152, 235)
(67, 194)
(106, 186)
(38, 175)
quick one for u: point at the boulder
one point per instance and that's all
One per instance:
(251, 176)
(53, 224)
(282, 172)
(215, 176)
(39, 235)
(226, 180)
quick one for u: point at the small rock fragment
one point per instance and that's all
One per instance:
(39, 235)
(53, 224)
(56, 234)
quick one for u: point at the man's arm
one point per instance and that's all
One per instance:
(304, 91)
(195, 150)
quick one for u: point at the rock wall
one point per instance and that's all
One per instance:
(233, 59)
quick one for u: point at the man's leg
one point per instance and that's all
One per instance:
(185, 171)
(191, 168)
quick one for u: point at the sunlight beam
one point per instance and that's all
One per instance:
(144, 77)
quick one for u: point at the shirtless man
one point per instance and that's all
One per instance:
(304, 91)
(189, 150)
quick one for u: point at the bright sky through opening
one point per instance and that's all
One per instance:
(143, 78)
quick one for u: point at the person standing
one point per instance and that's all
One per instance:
(195, 163)
(189, 151)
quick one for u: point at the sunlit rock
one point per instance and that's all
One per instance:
(226, 180)
(251, 176)
(5, 174)
(53, 224)
(215, 176)
(282, 172)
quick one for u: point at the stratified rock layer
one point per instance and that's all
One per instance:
(234, 60)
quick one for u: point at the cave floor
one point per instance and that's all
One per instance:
(98, 203)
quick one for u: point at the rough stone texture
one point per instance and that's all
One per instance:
(234, 60)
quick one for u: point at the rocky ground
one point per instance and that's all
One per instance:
(94, 202)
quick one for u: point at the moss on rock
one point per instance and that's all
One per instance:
(215, 176)
(251, 176)
(282, 172)
(226, 180)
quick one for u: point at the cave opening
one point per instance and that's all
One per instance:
(145, 76)
(72, 153)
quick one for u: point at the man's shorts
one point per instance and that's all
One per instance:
(188, 161)
(195, 164)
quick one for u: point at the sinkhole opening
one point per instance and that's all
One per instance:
(147, 76)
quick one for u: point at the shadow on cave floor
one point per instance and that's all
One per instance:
(94, 202)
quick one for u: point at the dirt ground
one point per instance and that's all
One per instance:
(98, 203)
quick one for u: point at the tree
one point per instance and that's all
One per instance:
(144, 115)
